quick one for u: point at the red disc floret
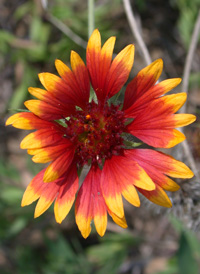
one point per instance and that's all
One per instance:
(96, 132)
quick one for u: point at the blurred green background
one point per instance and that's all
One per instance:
(158, 241)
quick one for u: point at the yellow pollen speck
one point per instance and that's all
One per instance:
(88, 117)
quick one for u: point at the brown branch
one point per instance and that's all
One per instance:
(135, 31)
(189, 58)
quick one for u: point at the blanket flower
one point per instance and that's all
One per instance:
(72, 131)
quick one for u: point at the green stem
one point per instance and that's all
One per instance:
(90, 17)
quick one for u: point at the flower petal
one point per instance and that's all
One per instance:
(144, 80)
(182, 119)
(59, 88)
(98, 62)
(93, 55)
(154, 172)
(41, 138)
(26, 120)
(90, 204)
(172, 103)
(47, 197)
(34, 189)
(118, 175)
(49, 80)
(48, 111)
(59, 166)
(160, 138)
(155, 125)
(81, 74)
(47, 154)
(94, 43)
(65, 187)
(167, 183)
(76, 83)
(119, 70)
(152, 160)
(107, 79)
(66, 196)
(131, 195)
(119, 221)
(104, 66)
(42, 95)
(62, 68)
(157, 196)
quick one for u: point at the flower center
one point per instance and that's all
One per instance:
(96, 133)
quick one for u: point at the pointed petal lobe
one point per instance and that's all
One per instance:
(26, 120)
(66, 196)
(59, 166)
(118, 176)
(34, 189)
(41, 138)
(119, 70)
(90, 204)
(157, 196)
(144, 80)
(153, 161)
(47, 197)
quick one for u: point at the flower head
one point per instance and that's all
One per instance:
(73, 131)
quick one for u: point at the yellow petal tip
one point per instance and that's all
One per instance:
(50, 176)
(9, 121)
(190, 174)
(85, 232)
(159, 61)
(179, 80)
(23, 204)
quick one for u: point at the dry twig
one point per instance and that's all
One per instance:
(189, 58)
(135, 31)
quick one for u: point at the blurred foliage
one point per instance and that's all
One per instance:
(10, 199)
(37, 52)
(112, 251)
(188, 13)
(187, 258)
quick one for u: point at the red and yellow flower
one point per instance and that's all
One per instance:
(73, 131)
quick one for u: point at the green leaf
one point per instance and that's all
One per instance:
(39, 31)
(112, 251)
(6, 38)
(19, 96)
(11, 195)
(8, 170)
(21, 92)
(191, 237)
(185, 257)
(132, 144)
(17, 226)
(23, 9)
(19, 110)
(60, 253)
